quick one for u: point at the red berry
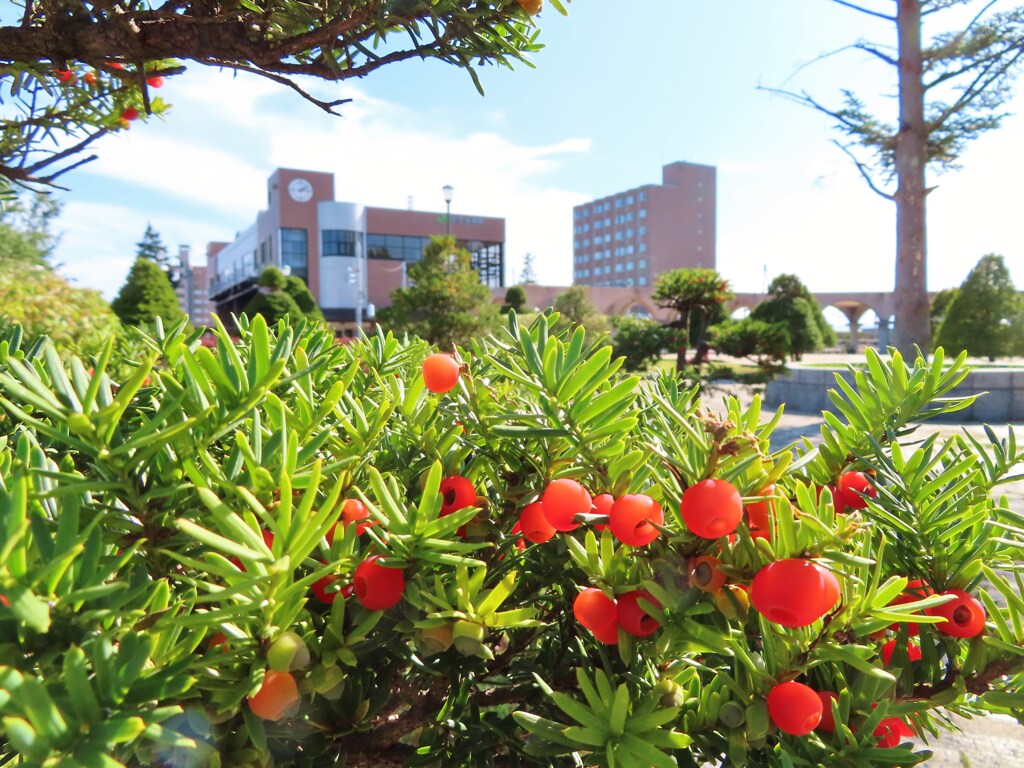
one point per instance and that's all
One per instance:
(795, 708)
(760, 512)
(321, 589)
(794, 592)
(89, 78)
(65, 76)
(219, 639)
(705, 574)
(851, 489)
(598, 613)
(155, 82)
(276, 696)
(916, 590)
(891, 731)
(564, 499)
(130, 113)
(520, 544)
(631, 615)
(440, 373)
(353, 511)
(534, 524)
(828, 721)
(377, 586)
(456, 493)
(631, 519)
(268, 539)
(711, 508)
(964, 616)
(115, 65)
(889, 648)
(4, 601)
(602, 506)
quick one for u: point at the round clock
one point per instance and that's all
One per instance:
(300, 190)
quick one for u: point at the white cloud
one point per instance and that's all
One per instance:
(226, 135)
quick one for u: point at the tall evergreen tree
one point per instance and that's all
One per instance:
(445, 302)
(146, 295)
(986, 317)
(948, 91)
(151, 247)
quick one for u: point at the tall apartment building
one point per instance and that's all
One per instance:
(628, 238)
(193, 288)
(350, 255)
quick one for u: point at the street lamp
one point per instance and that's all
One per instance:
(448, 189)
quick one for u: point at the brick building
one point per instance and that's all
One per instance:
(352, 256)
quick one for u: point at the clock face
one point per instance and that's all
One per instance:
(300, 190)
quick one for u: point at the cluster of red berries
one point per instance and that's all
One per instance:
(798, 709)
(604, 615)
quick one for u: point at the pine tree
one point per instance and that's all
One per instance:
(445, 303)
(151, 247)
(794, 307)
(986, 315)
(698, 297)
(274, 307)
(146, 295)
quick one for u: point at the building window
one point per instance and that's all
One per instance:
(618, 267)
(643, 213)
(618, 235)
(642, 196)
(607, 222)
(597, 224)
(642, 264)
(295, 251)
(629, 216)
(338, 242)
(607, 206)
(629, 200)
(629, 233)
(643, 247)
(642, 280)
(642, 231)
(402, 247)
(586, 227)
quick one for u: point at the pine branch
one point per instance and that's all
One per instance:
(861, 9)
(864, 172)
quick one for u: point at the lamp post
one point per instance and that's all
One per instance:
(448, 189)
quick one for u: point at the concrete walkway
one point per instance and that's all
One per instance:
(989, 742)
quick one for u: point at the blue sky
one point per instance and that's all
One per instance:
(621, 89)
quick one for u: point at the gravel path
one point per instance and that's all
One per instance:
(989, 742)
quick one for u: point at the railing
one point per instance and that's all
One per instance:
(230, 279)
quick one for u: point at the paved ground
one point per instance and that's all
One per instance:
(992, 742)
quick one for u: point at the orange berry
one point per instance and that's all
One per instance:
(276, 697)
(852, 487)
(155, 82)
(795, 708)
(532, 7)
(563, 499)
(888, 649)
(705, 574)
(602, 506)
(598, 613)
(760, 512)
(440, 373)
(534, 524)
(631, 519)
(711, 508)
(631, 615)
(794, 592)
(964, 616)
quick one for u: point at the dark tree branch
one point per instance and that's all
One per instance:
(864, 172)
(868, 48)
(867, 11)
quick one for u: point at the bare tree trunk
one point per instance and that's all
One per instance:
(911, 290)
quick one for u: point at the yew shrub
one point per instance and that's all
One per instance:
(188, 577)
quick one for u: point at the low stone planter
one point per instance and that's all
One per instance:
(805, 390)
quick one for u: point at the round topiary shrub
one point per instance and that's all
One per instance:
(288, 552)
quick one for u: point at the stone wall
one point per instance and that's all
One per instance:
(804, 390)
